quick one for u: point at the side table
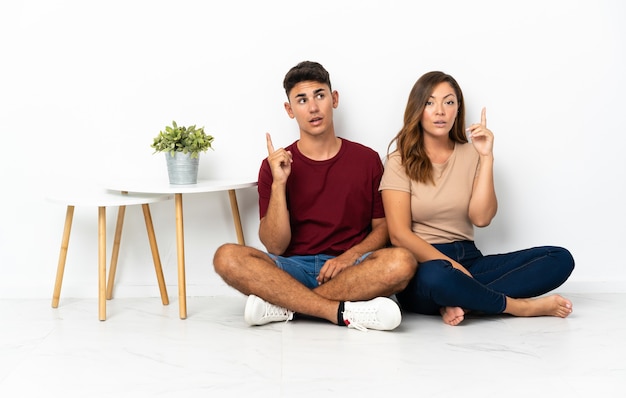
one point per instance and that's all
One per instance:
(202, 186)
(102, 198)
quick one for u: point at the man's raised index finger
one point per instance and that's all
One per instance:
(270, 147)
(483, 117)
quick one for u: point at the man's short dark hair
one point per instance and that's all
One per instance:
(306, 71)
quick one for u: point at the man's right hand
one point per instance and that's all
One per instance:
(279, 160)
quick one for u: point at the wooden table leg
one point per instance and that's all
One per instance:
(236, 217)
(116, 250)
(102, 262)
(180, 249)
(65, 241)
(155, 253)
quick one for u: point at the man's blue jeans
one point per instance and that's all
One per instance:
(521, 274)
(305, 269)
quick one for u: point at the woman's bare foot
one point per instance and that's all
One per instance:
(553, 305)
(452, 315)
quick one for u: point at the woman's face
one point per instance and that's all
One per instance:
(440, 111)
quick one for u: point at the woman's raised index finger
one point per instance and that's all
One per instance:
(483, 117)
(270, 147)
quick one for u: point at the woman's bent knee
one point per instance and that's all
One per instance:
(564, 259)
(435, 273)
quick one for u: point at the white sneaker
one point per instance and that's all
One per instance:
(381, 313)
(260, 312)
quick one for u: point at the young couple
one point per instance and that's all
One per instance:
(329, 210)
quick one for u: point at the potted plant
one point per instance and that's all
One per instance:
(182, 146)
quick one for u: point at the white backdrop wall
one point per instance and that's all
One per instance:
(86, 85)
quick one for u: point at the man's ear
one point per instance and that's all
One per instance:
(288, 109)
(335, 96)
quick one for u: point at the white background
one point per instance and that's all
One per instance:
(86, 85)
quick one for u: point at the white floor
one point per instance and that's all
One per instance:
(143, 349)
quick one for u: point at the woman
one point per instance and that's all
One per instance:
(436, 187)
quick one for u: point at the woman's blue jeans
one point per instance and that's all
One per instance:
(521, 274)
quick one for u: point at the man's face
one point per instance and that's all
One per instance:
(311, 104)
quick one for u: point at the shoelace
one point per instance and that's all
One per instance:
(272, 311)
(356, 319)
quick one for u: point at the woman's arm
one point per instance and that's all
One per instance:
(483, 203)
(398, 213)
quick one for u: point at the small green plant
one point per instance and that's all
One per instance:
(182, 139)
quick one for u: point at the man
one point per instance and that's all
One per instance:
(322, 223)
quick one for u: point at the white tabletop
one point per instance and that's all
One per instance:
(162, 186)
(97, 196)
